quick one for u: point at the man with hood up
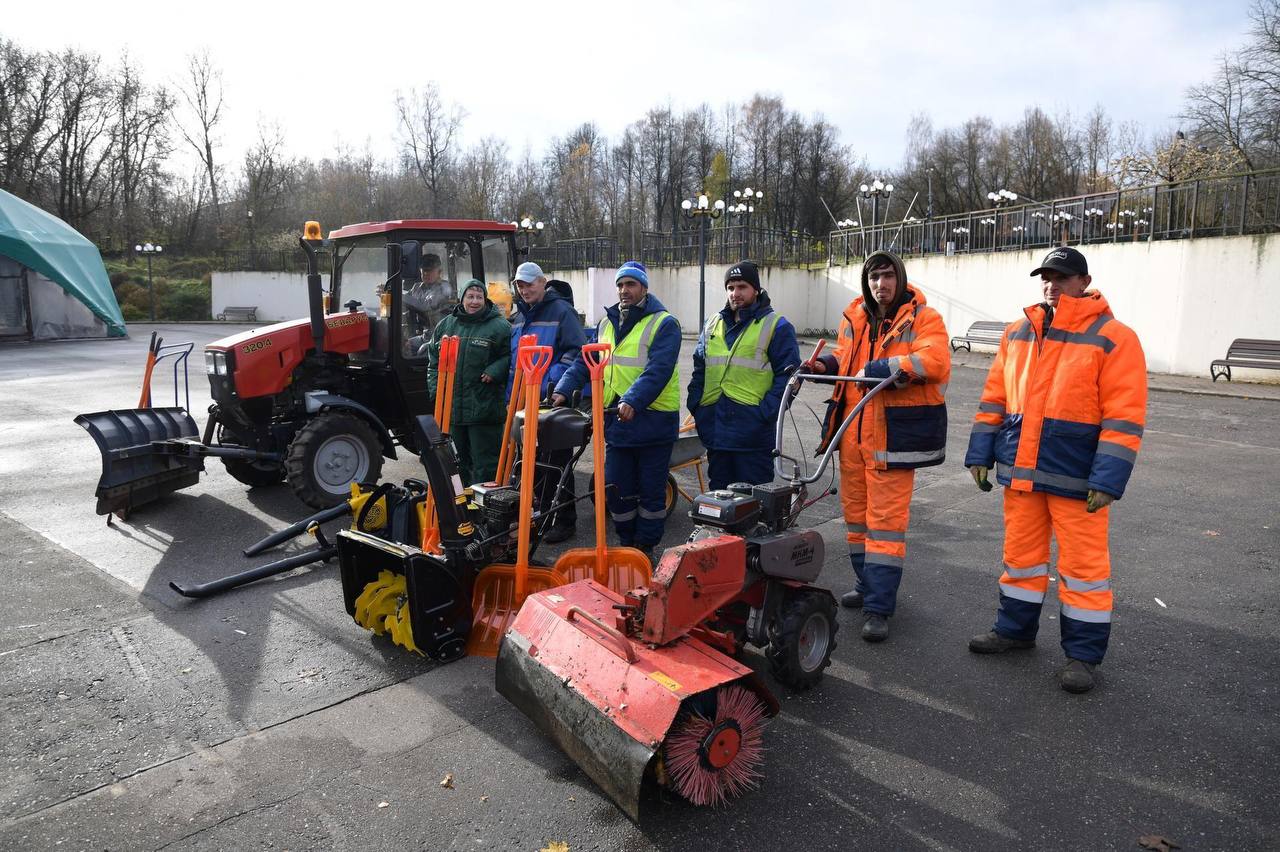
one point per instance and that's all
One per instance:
(1061, 420)
(888, 329)
(484, 359)
(741, 365)
(642, 379)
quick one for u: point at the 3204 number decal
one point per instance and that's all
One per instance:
(255, 346)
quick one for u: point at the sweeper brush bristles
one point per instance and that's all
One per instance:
(710, 761)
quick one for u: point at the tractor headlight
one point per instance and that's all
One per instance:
(215, 362)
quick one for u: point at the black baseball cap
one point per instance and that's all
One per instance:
(1065, 260)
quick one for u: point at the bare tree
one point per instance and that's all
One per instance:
(429, 128)
(202, 91)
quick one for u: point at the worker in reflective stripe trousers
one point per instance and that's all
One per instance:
(888, 330)
(642, 379)
(744, 357)
(1061, 418)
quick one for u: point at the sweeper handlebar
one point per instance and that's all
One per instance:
(789, 394)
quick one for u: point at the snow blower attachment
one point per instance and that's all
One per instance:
(644, 684)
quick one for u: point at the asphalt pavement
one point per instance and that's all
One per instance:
(266, 719)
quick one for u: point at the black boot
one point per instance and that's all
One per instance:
(876, 627)
(992, 642)
(560, 531)
(853, 599)
(1078, 676)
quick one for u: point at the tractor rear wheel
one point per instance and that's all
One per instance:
(332, 451)
(803, 637)
(254, 474)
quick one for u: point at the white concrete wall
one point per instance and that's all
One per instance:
(1186, 299)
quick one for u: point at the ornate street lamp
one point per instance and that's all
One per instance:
(530, 229)
(876, 190)
(149, 249)
(702, 211)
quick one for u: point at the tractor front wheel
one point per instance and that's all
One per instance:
(803, 637)
(332, 451)
(254, 474)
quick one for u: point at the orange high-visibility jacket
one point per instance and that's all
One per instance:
(1064, 408)
(902, 427)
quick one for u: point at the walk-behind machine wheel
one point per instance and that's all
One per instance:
(802, 639)
(332, 451)
(255, 474)
(713, 753)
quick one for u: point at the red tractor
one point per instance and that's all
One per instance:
(317, 401)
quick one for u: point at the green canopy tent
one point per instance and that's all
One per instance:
(36, 241)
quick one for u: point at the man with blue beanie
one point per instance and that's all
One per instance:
(642, 379)
(541, 311)
(740, 368)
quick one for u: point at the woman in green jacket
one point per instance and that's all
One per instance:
(479, 401)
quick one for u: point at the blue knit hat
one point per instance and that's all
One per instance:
(633, 269)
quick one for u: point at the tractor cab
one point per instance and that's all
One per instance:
(406, 275)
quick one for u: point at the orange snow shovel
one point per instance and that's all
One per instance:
(507, 455)
(500, 590)
(445, 375)
(619, 568)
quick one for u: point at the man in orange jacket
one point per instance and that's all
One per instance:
(889, 329)
(1061, 417)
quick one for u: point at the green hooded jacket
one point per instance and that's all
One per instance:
(484, 348)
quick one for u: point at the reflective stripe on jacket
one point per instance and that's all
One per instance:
(660, 374)
(631, 357)
(730, 425)
(901, 427)
(740, 371)
(1064, 408)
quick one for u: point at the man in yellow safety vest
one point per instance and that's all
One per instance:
(739, 370)
(643, 380)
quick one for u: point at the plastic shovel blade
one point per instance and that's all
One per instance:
(625, 568)
(494, 604)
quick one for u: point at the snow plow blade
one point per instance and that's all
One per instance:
(146, 454)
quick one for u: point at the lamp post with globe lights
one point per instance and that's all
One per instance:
(530, 229)
(744, 204)
(876, 190)
(702, 211)
(149, 249)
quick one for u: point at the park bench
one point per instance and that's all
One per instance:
(982, 331)
(1244, 352)
(239, 314)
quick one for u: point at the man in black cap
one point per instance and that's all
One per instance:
(740, 368)
(1061, 420)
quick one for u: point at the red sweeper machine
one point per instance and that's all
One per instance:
(647, 684)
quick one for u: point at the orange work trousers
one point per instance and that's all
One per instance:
(1084, 571)
(877, 507)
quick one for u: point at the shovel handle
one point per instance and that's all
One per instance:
(534, 361)
(620, 641)
(596, 356)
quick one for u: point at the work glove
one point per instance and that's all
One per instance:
(979, 473)
(1098, 500)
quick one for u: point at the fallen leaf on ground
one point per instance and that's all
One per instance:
(187, 670)
(1212, 532)
(1157, 843)
(447, 781)
(384, 804)
(555, 846)
(484, 798)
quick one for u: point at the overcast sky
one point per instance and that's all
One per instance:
(525, 71)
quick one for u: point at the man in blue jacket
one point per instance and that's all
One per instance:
(642, 379)
(543, 313)
(739, 370)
